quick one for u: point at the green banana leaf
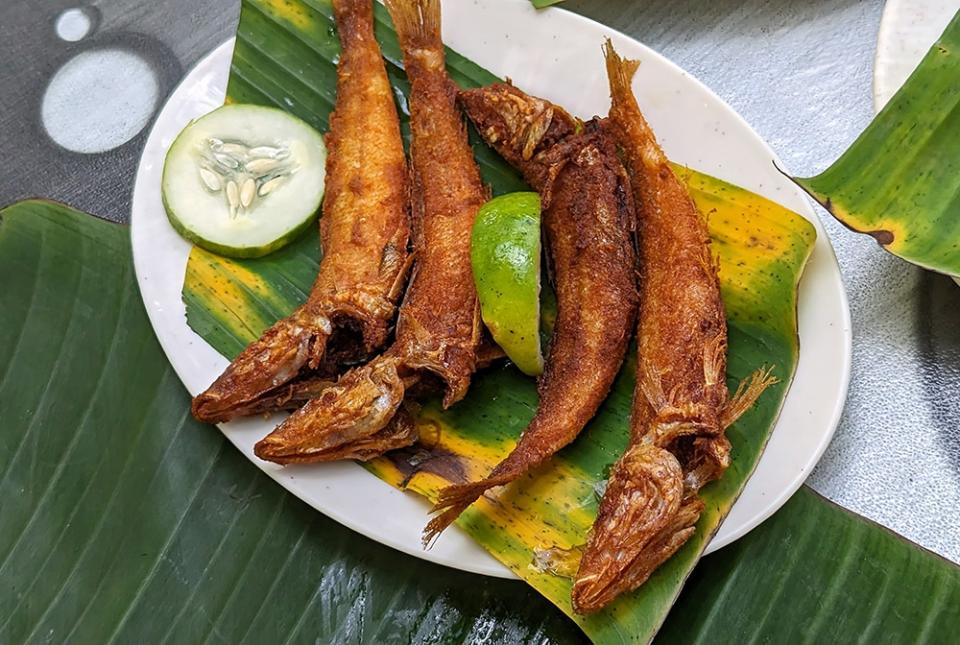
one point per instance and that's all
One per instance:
(123, 520)
(285, 56)
(541, 4)
(900, 180)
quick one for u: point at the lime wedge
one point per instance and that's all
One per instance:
(505, 254)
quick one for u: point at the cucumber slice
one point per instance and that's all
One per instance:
(244, 180)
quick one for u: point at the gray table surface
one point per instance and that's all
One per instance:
(799, 72)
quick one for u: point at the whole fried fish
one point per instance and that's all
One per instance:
(588, 218)
(438, 329)
(681, 406)
(364, 232)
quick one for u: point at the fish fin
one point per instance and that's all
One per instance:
(714, 359)
(620, 71)
(652, 386)
(746, 395)
(396, 289)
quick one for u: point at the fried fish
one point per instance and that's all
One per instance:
(438, 329)
(364, 232)
(588, 216)
(681, 405)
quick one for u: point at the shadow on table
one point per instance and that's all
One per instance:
(939, 344)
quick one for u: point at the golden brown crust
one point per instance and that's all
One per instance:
(288, 397)
(364, 233)
(643, 497)
(365, 240)
(359, 406)
(587, 221)
(521, 127)
(265, 365)
(438, 328)
(680, 404)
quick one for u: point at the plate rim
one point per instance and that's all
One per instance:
(823, 245)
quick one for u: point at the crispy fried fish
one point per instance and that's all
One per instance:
(364, 232)
(681, 406)
(438, 329)
(588, 217)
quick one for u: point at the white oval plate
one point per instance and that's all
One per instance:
(695, 127)
(908, 28)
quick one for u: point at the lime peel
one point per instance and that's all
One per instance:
(505, 256)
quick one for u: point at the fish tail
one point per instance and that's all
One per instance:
(747, 394)
(417, 23)
(354, 19)
(715, 359)
(625, 114)
(453, 501)
(620, 72)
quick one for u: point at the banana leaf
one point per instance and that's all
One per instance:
(900, 180)
(541, 4)
(123, 520)
(285, 57)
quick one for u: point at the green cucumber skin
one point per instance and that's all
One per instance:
(240, 252)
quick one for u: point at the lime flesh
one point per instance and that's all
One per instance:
(505, 255)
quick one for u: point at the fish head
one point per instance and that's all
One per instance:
(362, 403)
(642, 520)
(268, 363)
(519, 126)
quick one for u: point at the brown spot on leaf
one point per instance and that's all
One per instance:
(436, 460)
(882, 237)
